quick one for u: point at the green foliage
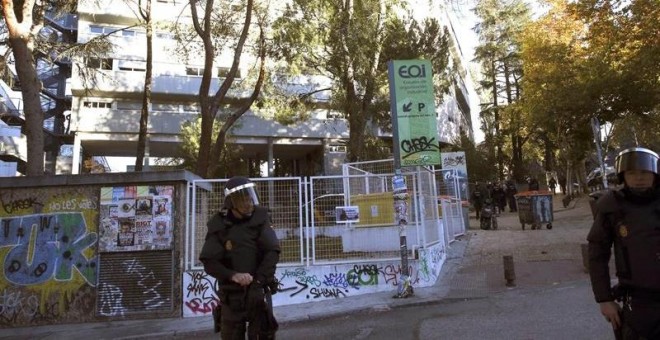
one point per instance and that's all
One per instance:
(480, 163)
(500, 27)
(231, 163)
(351, 46)
(592, 58)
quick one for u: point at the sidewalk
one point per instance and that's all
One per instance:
(473, 269)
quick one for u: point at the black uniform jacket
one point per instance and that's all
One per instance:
(633, 227)
(240, 246)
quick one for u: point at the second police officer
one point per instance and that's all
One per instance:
(629, 220)
(241, 251)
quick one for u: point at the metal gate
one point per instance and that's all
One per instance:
(310, 215)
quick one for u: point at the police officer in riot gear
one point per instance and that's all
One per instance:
(241, 251)
(629, 220)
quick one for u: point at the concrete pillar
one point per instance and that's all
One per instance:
(77, 151)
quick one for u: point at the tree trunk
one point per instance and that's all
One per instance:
(34, 118)
(22, 43)
(219, 145)
(211, 104)
(146, 98)
(496, 122)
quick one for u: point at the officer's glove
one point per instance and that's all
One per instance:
(273, 285)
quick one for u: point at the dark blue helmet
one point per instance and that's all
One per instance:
(636, 158)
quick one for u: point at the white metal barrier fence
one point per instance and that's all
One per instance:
(311, 215)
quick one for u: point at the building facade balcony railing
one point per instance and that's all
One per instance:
(106, 120)
(133, 82)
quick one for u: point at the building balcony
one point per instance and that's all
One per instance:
(130, 82)
(113, 121)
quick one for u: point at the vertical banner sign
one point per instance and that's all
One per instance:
(415, 140)
(414, 121)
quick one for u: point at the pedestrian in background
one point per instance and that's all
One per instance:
(477, 198)
(241, 251)
(562, 184)
(552, 184)
(629, 219)
(532, 184)
(499, 196)
(511, 191)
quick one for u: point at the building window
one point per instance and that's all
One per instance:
(165, 107)
(194, 71)
(133, 65)
(129, 105)
(336, 148)
(165, 35)
(96, 29)
(128, 33)
(97, 105)
(224, 71)
(335, 115)
(190, 107)
(99, 63)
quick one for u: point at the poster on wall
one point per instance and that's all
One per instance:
(347, 214)
(456, 161)
(135, 218)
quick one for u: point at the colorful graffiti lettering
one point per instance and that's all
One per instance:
(391, 274)
(363, 275)
(336, 280)
(47, 246)
(199, 292)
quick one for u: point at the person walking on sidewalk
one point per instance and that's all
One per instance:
(511, 191)
(629, 220)
(477, 198)
(552, 184)
(242, 251)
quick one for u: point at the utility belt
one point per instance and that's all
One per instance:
(254, 302)
(621, 292)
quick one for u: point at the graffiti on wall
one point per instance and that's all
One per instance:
(46, 247)
(136, 218)
(199, 293)
(307, 284)
(48, 254)
(130, 284)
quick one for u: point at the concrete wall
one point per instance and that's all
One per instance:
(51, 255)
(303, 284)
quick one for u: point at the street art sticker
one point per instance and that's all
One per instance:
(455, 161)
(317, 283)
(136, 218)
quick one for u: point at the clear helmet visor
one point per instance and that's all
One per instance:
(243, 198)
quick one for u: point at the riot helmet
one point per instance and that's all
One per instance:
(241, 196)
(636, 158)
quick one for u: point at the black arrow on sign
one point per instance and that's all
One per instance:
(407, 107)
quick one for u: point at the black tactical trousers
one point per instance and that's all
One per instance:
(237, 319)
(641, 319)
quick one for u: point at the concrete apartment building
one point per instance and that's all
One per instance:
(102, 120)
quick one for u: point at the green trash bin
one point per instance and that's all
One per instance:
(535, 209)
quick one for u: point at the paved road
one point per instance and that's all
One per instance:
(564, 311)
